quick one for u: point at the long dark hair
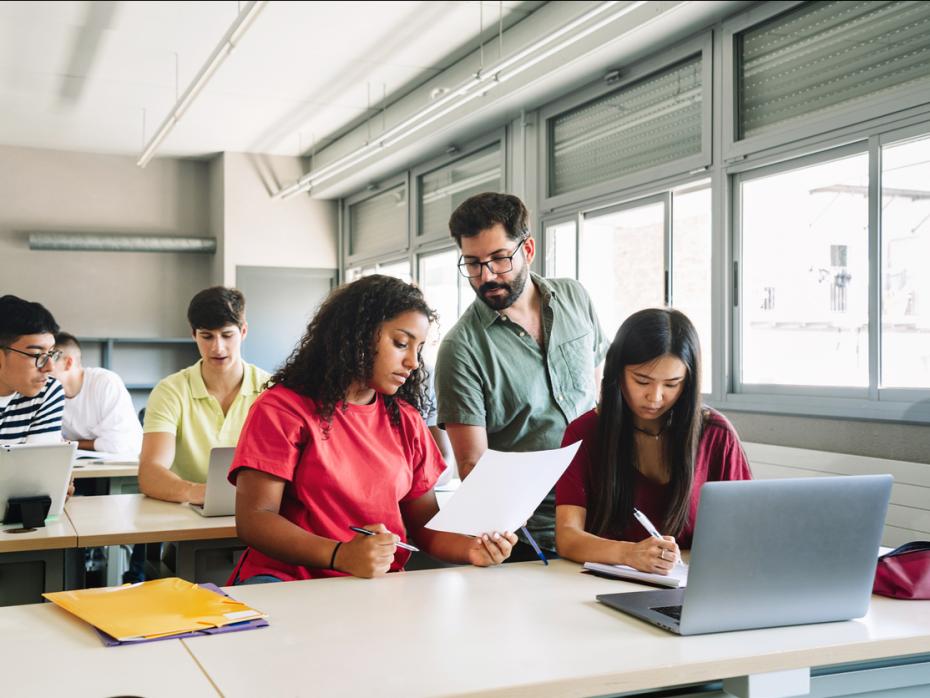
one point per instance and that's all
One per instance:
(644, 337)
(339, 345)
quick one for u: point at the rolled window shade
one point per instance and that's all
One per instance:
(379, 222)
(652, 122)
(442, 190)
(822, 55)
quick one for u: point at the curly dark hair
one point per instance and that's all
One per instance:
(338, 347)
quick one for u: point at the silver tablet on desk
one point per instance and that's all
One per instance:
(30, 470)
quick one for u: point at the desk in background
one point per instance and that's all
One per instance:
(33, 562)
(121, 519)
(97, 478)
(524, 630)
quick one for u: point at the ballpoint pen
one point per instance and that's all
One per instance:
(532, 542)
(646, 523)
(400, 544)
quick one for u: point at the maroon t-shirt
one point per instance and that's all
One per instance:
(719, 457)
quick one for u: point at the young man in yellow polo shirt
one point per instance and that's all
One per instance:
(202, 406)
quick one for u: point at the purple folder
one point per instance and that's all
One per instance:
(111, 641)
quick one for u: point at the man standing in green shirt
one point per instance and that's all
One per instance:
(524, 359)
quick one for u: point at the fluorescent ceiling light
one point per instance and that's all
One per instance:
(477, 86)
(229, 41)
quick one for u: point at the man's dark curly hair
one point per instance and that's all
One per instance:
(338, 347)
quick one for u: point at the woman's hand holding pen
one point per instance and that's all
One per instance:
(368, 555)
(655, 555)
(491, 548)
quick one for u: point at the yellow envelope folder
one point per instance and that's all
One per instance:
(154, 608)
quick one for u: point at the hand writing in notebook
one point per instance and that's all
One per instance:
(657, 554)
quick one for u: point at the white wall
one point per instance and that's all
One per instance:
(103, 293)
(259, 231)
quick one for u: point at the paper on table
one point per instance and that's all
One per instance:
(85, 456)
(502, 491)
(678, 576)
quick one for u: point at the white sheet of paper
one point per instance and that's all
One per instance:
(502, 491)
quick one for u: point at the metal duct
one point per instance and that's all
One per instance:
(97, 242)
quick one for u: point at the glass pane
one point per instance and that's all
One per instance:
(440, 281)
(399, 269)
(561, 250)
(646, 124)
(805, 276)
(379, 223)
(622, 262)
(442, 190)
(820, 55)
(906, 265)
(691, 265)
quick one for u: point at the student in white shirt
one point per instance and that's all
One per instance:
(31, 400)
(99, 414)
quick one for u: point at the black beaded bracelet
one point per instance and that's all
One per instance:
(332, 560)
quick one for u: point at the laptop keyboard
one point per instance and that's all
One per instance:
(670, 611)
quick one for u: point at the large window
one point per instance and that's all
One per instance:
(647, 253)
(805, 275)
(905, 226)
(447, 292)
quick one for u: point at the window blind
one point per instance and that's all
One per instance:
(442, 190)
(648, 123)
(379, 222)
(822, 55)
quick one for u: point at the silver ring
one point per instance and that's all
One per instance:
(662, 554)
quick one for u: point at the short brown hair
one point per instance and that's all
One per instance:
(483, 211)
(216, 307)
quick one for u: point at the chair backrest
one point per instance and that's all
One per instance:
(142, 416)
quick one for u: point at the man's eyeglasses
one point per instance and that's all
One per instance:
(40, 359)
(495, 265)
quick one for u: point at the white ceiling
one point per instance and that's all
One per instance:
(78, 75)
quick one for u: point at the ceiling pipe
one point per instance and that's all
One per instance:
(101, 242)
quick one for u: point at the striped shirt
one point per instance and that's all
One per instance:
(32, 419)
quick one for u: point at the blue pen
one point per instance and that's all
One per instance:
(535, 545)
(400, 544)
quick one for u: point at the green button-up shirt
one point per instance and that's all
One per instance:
(491, 373)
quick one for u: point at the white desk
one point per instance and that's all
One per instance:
(85, 469)
(46, 651)
(514, 630)
(119, 519)
(108, 478)
(33, 562)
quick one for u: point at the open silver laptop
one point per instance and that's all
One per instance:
(220, 499)
(28, 470)
(774, 552)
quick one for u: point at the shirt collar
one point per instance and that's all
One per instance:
(249, 385)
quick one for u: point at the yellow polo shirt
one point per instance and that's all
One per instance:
(181, 405)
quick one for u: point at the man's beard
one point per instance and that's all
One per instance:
(513, 291)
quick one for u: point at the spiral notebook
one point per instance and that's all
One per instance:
(677, 577)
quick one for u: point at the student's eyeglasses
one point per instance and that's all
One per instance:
(40, 359)
(495, 265)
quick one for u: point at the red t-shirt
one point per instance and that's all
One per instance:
(719, 457)
(355, 476)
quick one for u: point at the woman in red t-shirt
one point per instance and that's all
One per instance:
(649, 445)
(339, 440)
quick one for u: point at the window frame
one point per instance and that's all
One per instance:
(385, 249)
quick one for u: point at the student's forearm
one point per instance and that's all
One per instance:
(275, 536)
(450, 547)
(582, 546)
(86, 444)
(159, 482)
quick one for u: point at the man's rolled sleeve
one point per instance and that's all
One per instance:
(459, 389)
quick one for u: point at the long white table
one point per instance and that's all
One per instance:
(45, 651)
(515, 630)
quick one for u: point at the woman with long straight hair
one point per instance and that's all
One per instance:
(335, 465)
(649, 446)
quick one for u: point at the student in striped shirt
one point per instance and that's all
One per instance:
(31, 400)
